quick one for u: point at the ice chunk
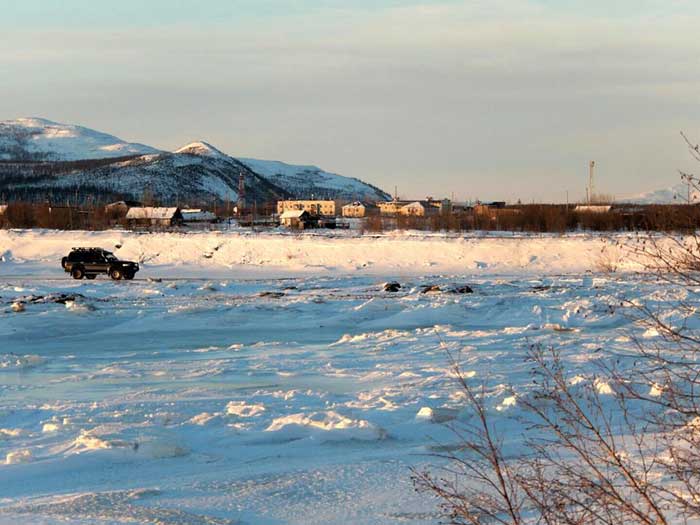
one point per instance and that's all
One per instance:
(437, 415)
(602, 387)
(203, 418)
(241, 409)
(51, 426)
(18, 456)
(20, 362)
(325, 426)
(507, 403)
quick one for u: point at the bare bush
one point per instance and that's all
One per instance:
(623, 448)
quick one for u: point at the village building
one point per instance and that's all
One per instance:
(593, 208)
(444, 206)
(462, 207)
(299, 219)
(495, 210)
(197, 215)
(360, 209)
(149, 217)
(419, 209)
(321, 208)
(392, 207)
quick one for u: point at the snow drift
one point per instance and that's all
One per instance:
(279, 254)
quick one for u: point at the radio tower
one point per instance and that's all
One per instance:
(241, 191)
(591, 173)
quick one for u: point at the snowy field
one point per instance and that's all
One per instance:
(235, 390)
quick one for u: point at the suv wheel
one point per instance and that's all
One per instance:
(77, 273)
(116, 274)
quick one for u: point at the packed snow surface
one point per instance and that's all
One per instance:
(271, 379)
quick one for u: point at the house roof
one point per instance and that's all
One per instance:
(416, 203)
(197, 215)
(293, 214)
(392, 203)
(151, 213)
(360, 203)
(593, 208)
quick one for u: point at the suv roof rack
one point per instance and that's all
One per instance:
(79, 249)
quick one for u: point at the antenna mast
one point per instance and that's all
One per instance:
(241, 191)
(591, 174)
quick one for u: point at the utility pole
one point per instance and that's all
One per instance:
(591, 173)
(241, 191)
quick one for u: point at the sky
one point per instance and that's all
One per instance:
(489, 99)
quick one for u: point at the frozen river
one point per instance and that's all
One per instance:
(266, 401)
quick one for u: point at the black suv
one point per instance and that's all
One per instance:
(88, 262)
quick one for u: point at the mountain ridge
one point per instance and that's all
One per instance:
(84, 161)
(679, 193)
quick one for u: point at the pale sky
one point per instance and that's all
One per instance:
(491, 99)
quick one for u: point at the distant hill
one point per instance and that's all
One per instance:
(42, 159)
(677, 194)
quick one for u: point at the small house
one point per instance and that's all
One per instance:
(419, 209)
(299, 219)
(444, 206)
(321, 208)
(360, 209)
(391, 207)
(150, 217)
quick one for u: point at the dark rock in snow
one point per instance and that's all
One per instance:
(57, 298)
(430, 288)
(274, 295)
(392, 286)
(465, 288)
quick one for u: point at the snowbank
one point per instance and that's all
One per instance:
(236, 254)
(324, 426)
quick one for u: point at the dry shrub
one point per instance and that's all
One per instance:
(584, 460)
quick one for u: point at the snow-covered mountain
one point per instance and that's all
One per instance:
(677, 194)
(307, 181)
(43, 159)
(37, 139)
(192, 176)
